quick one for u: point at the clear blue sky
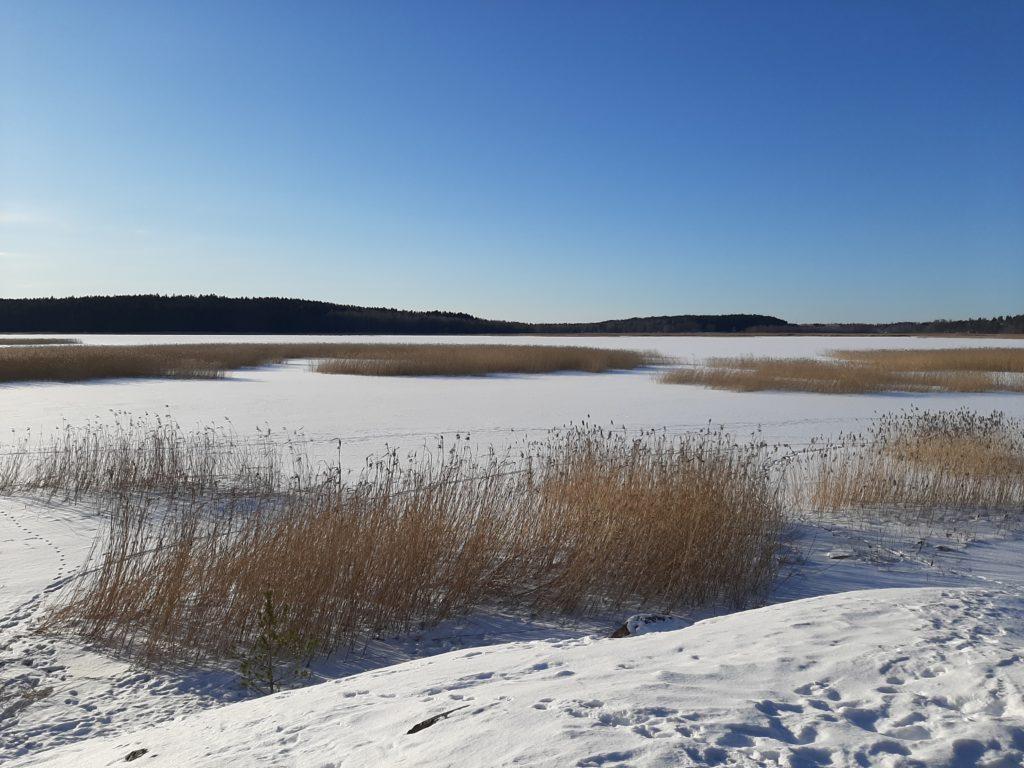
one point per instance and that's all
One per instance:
(539, 161)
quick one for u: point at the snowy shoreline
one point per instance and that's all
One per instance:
(921, 676)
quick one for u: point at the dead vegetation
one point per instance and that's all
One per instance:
(91, 362)
(858, 372)
(201, 526)
(208, 361)
(938, 464)
(15, 341)
(479, 359)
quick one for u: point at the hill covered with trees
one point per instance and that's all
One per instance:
(219, 314)
(1008, 324)
(152, 313)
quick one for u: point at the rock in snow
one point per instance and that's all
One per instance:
(889, 677)
(642, 623)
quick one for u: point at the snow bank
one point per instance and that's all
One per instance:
(877, 677)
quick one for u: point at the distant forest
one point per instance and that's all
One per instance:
(981, 325)
(218, 314)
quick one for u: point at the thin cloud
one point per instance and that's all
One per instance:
(28, 216)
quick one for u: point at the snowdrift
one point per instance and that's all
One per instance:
(894, 677)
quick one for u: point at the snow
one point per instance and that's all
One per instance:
(902, 649)
(921, 676)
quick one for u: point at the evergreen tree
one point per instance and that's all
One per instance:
(278, 655)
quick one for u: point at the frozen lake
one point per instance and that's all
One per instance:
(364, 413)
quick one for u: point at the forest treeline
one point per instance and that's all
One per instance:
(152, 313)
(1008, 324)
(219, 314)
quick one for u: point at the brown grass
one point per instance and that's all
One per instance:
(200, 526)
(939, 463)
(15, 341)
(479, 360)
(204, 361)
(856, 372)
(974, 359)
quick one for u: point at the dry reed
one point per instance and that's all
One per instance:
(992, 359)
(857, 372)
(918, 463)
(201, 526)
(479, 360)
(15, 341)
(203, 361)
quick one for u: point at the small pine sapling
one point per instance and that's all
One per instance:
(278, 655)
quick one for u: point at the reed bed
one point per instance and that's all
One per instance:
(582, 522)
(919, 464)
(859, 372)
(149, 454)
(586, 521)
(210, 361)
(89, 362)
(15, 341)
(480, 359)
(990, 359)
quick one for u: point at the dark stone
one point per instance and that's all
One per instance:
(622, 631)
(638, 622)
(432, 720)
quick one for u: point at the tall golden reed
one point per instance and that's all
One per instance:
(201, 525)
(210, 360)
(858, 372)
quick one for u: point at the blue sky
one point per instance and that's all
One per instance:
(522, 160)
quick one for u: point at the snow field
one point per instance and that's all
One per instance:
(880, 677)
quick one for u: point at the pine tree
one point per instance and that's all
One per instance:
(278, 655)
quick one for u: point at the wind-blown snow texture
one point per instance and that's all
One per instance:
(877, 677)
